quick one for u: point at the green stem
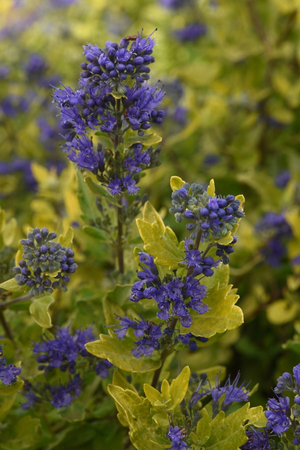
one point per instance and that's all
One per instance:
(164, 355)
(6, 328)
(120, 249)
(15, 300)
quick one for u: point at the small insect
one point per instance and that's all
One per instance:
(131, 37)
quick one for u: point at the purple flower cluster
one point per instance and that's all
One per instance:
(42, 256)
(177, 436)
(62, 351)
(59, 396)
(213, 217)
(231, 390)
(278, 414)
(176, 295)
(257, 439)
(148, 335)
(8, 373)
(278, 232)
(63, 395)
(281, 417)
(113, 97)
(282, 179)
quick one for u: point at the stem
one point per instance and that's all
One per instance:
(6, 328)
(212, 244)
(163, 357)
(15, 300)
(120, 250)
(197, 240)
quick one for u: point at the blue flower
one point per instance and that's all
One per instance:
(191, 32)
(232, 392)
(8, 373)
(278, 414)
(257, 439)
(176, 436)
(63, 395)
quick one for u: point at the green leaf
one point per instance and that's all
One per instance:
(39, 309)
(118, 352)
(11, 389)
(170, 396)
(24, 435)
(227, 433)
(203, 430)
(220, 277)
(160, 241)
(223, 313)
(147, 140)
(95, 233)
(12, 285)
(97, 189)
(86, 200)
(282, 311)
(120, 294)
(74, 413)
(144, 432)
(176, 183)
(66, 239)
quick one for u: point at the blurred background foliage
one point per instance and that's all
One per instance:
(231, 75)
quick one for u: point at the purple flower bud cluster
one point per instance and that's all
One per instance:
(224, 250)
(112, 98)
(275, 227)
(278, 414)
(213, 217)
(174, 296)
(13, 104)
(35, 67)
(177, 436)
(257, 439)
(8, 373)
(282, 179)
(46, 264)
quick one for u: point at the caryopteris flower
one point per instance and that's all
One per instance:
(278, 414)
(257, 439)
(112, 98)
(8, 373)
(46, 264)
(176, 436)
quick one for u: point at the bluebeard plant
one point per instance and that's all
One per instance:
(8, 372)
(191, 32)
(113, 97)
(45, 264)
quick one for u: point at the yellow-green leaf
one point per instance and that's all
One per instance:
(12, 285)
(66, 239)
(11, 389)
(223, 313)
(118, 352)
(39, 310)
(282, 311)
(176, 183)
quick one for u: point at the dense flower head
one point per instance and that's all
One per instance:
(177, 436)
(258, 439)
(63, 350)
(9, 372)
(113, 97)
(63, 395)
(278, 232)
(174, 296)
(46, 264)
(148, 334)
(211, 216)
(233, 392)
(278, 414)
